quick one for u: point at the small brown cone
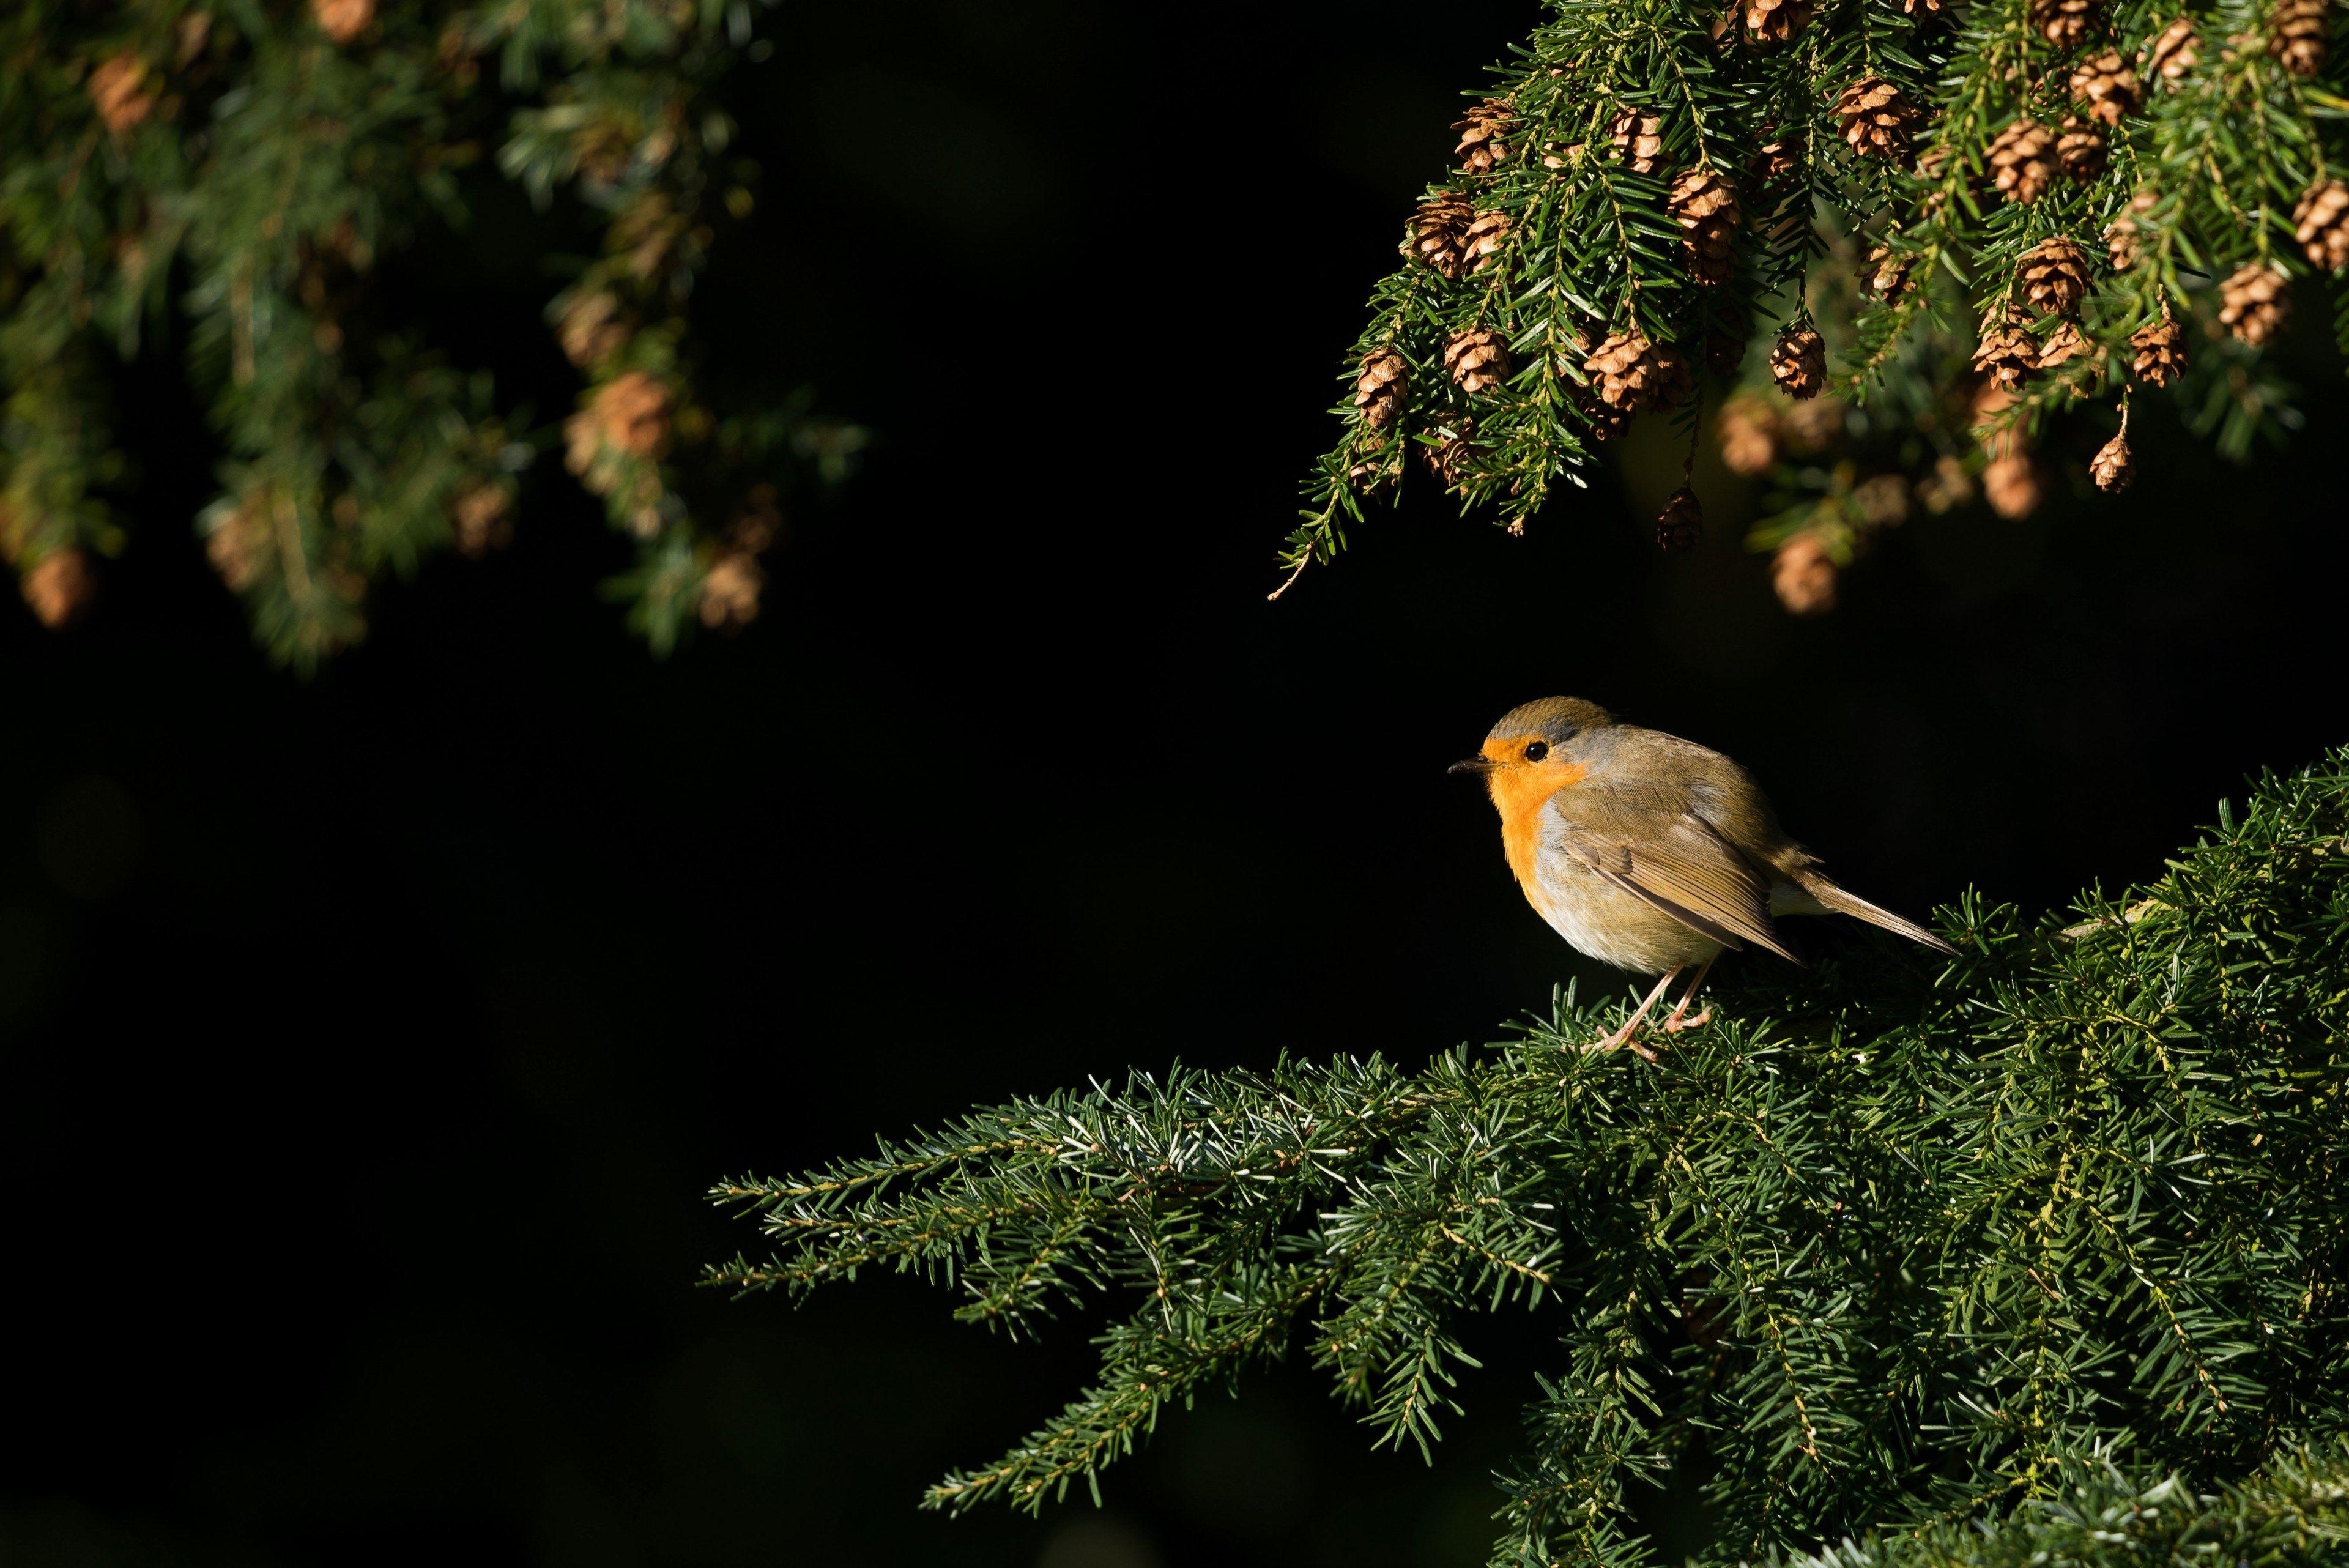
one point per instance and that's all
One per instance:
(342, 20)
(59, 586)
(1876, 119)
(1774, 21)
(1803, 575)
(1887, 270)
(2063, 23)
(1452, 455)
(2321, 223)
(2080, 149)
(123, 91)
(1639, 140)
(2160, 352)
(1477, 360)
(2062, 346)
(1486, 234)
(1605, 419)
(1484, 136)
(1748, 432)
(2055, 276)
(1439, 233)
(1882, 502)
(1382, 389)
(481, 519)
(729, 592)
(2107, 86)
(2021, 159)
(1798, 362)
(2011, 484)
(2296, 35)
(1949, 486)
(2111, 468)
(2255, 302)
(1633, 375)
(591, 328)
(2123, 240)
(2008, 355)
(1704, 205)
(2171, 56)
(1777, 161)
(1681, 525)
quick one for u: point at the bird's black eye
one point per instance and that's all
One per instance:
(1537, 750)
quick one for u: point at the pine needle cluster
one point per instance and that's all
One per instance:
(1881, 1248)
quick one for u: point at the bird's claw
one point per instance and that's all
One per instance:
(1675, 1024)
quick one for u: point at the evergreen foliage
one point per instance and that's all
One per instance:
(1882, 1246)
(240, 172)
(1669, 180)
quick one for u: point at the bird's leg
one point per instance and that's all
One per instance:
(1623, 1036)
(1676, 1023)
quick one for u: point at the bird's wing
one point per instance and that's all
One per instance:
(1678, 863)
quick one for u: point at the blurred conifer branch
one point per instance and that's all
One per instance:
(244, 171)
(1877, 1249)
(2022, 206)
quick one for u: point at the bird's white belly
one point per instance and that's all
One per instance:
(1614, 927)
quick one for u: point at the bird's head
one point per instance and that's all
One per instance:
(1537, 750)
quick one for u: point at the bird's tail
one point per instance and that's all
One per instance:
(1831, 897)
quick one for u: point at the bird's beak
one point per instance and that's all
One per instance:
(1472, 765)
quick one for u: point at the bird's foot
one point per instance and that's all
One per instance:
(1675, 1024)
(1621, 1038)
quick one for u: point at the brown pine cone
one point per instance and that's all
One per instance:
(1803, 575)
(2021, 160)
(1774, 21)
(2296, 35)
(481, 519)
(2110, 468)
(1483, 239)
(591, 328)
(1886, 271)
(1478, 361)
(2321, 225)
(1484, 136)
(1882, 502)
(1681, 525)
(2121, 239)
(1639, 140)
(122, 91)
(1776, 159)
(1876, 119)
(2080, 149)
(1798, 362)
(2011, 484)
(632, 413)
(1439, 233)
(1704, 205)
(2063, 23)
(1747, 429)
(2255, 303)
(2055, 276)
(2160, 352)
(59, 586)
(2008, 355)
(1606, 423)
(730, 591)
(2106, 85)
(2062, 346)
(1451, 455)
(2176, 52)
(1383, 390)
(342, 20)
(1631, 374)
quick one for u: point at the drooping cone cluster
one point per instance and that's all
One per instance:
(2055, 276)
(2321, 223)
(342, 20)
(2176, 52)
(1382, 388)
(2008, 354)
(2107, 86)
(1484, 136)
(2111, 467)
(2255, 302)
(1681, 525)
(1876, 119)
(1477, 359)
(1439, 233)
(1639, 140)
(1803, 575)
(2063, 23)
(2080, 148)
(1798, 362)
(2021, 159)
(1774, 21)
(2296, 35)
(1633, 375)
(1704, 205)
(60, 586)
(2159, 352)
(1747, 430)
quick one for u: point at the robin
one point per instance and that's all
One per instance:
(1650, 852)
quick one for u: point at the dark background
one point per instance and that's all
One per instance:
(365, 1046)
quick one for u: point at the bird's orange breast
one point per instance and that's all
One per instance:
(1520, 793)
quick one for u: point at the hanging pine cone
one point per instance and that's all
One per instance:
(2063, 23)
(1775, 160)
(1483, 239)
(2007, 354)
(1747, 430)
(2012, 486)
(1605, 422)
(1774, 21)
(2080, 149)
(1887, 270)
(2106, 85)
(729, 592)
(123, 91)
(2160, 349)
(2055, 276)
(2296, 35)
(1704, 205)
(1383, 388)
(2021, 160)
(1451, 455)
(2110, 468)
(59, 586)
(591, 328)
(481, 519)
(342, 20)
(1632, 374)
(2321, 225)
(1681, 525)
(2255, 302)
(1484, 136)
(2176, 52)
(1478, 361)
(2121, 239)
(1798, 362)
(1439, 233)
(1803, 575)
(1876, 119)
(1639, 140)
(2062, 346)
